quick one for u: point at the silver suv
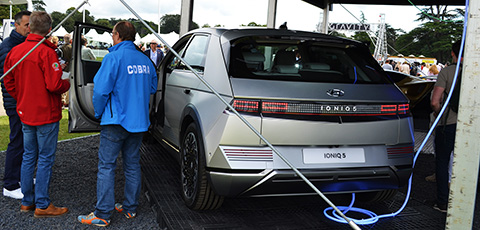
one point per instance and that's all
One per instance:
(322, 101)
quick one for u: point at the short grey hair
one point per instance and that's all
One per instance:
(40, 22)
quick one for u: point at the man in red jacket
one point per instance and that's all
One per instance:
(37, 86)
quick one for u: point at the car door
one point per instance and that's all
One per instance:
(83, 68)
(181, 84)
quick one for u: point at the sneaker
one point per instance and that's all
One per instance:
(15, 194)
(431, 178)
(91, 219)
(50, 211)
(440, 207)
(129, 215)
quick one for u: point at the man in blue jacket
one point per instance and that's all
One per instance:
(121, 94)
(14, 154)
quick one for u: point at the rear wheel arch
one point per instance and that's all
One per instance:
(197, 191)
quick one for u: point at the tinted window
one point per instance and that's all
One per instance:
(302, 60)
(194, 54)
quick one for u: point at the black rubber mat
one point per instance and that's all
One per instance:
(161, 178)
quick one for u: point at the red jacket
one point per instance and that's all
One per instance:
(36, 83)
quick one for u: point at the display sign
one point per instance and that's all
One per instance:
(349, 26)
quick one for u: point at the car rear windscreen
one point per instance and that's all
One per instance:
(303, 59)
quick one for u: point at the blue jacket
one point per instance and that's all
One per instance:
(122, 88)
(7, 45)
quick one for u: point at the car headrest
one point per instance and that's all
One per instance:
(316, 66)
(253, 58)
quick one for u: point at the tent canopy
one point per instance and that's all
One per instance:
(13, 2)
(60, 32)
(170, 38)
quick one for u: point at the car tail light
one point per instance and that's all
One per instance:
(246, 105)
(298, 108)
(403, 108)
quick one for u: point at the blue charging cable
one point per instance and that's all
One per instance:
(373, 218)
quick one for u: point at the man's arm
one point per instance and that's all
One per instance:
(435, 102)
(53, 74)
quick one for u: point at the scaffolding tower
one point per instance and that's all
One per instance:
(380, 53)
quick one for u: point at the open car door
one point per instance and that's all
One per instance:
(86, 60)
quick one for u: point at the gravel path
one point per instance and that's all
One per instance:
(73, 185)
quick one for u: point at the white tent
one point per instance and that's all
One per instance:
(105, 37)
(138, 39)
(92, 35)
(60, 32)
(170, 38)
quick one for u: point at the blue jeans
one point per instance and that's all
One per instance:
(14, 154)
(113, 139)
(444, 144)
(40, 144)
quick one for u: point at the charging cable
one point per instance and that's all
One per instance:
(373, 217)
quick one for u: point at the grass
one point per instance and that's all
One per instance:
(62, 134)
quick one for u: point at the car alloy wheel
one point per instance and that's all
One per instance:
(189, 165)
(197, 191)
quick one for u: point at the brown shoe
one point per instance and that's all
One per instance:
(50, 211)
(29, 208)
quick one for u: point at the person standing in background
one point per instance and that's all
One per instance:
(14, 154)
(155, 54)
(446, 128)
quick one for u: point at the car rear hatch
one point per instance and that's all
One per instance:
(311, 89)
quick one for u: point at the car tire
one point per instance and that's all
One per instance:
(197, 192)
(378, 196)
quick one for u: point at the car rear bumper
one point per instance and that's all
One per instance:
(330, 181)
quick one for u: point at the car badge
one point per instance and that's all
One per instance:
(335, 92)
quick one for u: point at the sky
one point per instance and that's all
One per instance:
(298, 14)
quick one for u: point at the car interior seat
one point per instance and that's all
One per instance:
(284, 62)
(254, 60)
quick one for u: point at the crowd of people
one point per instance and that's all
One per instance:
(446, 129)
(32, 92)
(414, 68)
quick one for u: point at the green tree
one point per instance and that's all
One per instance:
(338, 34)
(69, 24)
(38, 5)
(142, 30)
(171, 22)
(434, 37)
(253, 24)
(103, 22)
(392, 35)
(362, 36)
(5, 11)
